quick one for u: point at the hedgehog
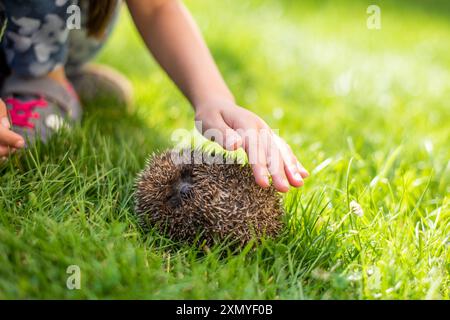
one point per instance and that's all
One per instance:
(192, 195)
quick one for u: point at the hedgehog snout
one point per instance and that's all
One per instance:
(181, 192)
(184, 189)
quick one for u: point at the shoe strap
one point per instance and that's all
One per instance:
(50, 89)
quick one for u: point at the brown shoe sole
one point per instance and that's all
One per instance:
(96, 81)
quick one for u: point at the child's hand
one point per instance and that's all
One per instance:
(267, 153)
(175, 41)
(9, 141)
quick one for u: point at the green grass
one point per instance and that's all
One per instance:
(366, 111)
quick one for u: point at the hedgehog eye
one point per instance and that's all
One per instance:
(174, 201)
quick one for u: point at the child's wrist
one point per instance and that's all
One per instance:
(212, 102)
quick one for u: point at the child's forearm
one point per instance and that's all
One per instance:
(172, 36)
(174, 39)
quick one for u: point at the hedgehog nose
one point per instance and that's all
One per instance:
(184, 190)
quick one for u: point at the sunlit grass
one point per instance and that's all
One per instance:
(366, 112)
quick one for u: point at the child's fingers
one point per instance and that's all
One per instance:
(276, 164)
(261, 175)
(290, 163)
(293, 168)
(7, 137)
(217, 130)
(279, 178)
(265, 158)
(2, 108)
(256, 158)
(232, 139)
(6, 151)
(3, 114)
(3, 151)
(293, 174)
(290, 154)
(11, 139)
(4, 122)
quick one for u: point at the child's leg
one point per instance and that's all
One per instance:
(38, 96)
(37, 46)
(93, 81)
(82, 48)
(35, 39)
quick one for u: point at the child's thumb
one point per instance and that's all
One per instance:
(4, 115)
(2, 109)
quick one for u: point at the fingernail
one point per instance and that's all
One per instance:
(298, 177)
(5, 123)
(20, 144)
(295, 172)
(302, 170)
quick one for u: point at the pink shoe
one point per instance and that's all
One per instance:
(39, 107)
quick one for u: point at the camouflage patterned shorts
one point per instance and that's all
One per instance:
(36, 38)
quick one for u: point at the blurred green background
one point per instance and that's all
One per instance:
(366, 111)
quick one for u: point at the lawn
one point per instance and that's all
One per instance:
(366, 111)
